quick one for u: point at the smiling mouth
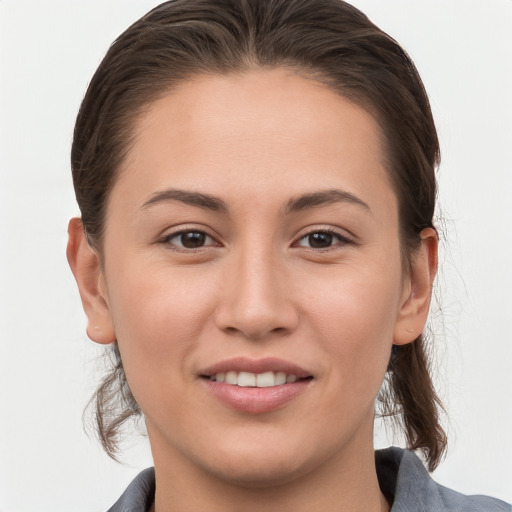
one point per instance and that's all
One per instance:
(256, 386)
(255, 380)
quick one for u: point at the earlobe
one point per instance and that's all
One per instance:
(86, 267)
(414, 308)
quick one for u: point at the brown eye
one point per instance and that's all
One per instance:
(192, 239)
(322, 240)
(189, 239)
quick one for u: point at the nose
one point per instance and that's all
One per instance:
(256, 301)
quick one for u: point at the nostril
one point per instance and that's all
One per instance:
(254, 333)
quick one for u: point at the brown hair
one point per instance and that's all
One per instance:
(328, 40)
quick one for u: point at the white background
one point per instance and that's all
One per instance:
(48, 52)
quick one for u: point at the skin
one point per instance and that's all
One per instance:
(256, 288)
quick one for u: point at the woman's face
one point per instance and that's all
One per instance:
(253, 237)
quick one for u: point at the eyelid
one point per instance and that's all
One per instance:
(179, 230)
(344, 239)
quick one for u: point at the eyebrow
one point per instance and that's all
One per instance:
(198, 199)
(322, 198)
(297, 204)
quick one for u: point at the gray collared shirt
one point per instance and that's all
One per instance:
(402, 477)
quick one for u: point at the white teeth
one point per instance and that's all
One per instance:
(246, 380)
(265, 380)
(232, 378)
(251, 380)
(280, 378)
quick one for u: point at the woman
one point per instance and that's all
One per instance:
(256, 182)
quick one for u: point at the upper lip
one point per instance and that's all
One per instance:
(245, 364)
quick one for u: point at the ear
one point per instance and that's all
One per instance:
(86, 267)
(415, 303)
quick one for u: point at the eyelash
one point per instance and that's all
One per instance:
(167, 240)
(341, 240)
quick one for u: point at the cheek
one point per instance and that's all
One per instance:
(364, 300)
(353, 314)
(158, 315)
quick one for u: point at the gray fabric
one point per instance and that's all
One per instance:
(139, 495)
(402, 478)
(406, 483)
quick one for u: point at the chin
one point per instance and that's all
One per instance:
(259, 474)
(259, 465)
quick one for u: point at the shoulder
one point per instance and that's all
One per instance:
(405, 481)
(139, 495)
(402, 477)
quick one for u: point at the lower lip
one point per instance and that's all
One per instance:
(256, 400)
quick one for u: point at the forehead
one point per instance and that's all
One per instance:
(267, 131)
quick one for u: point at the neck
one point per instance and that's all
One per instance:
(345, 482)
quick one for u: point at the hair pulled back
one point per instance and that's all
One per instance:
(328, 40)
